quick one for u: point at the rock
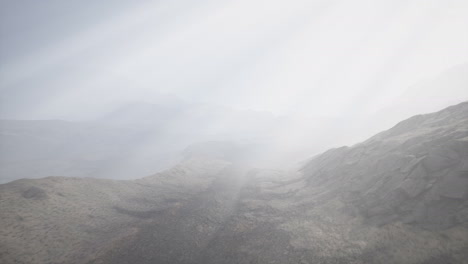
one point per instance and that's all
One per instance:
(454, 186)
(436, 162)
(35, 193)
(462, 215)
(416, 172)
(415, 183)
(464, 168)
(386, 200)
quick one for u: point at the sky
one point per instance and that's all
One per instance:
(327, 59)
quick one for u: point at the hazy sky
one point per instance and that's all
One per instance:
(63, 59)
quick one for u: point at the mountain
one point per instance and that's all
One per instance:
(131, 142)
(416, 172)
(450, 87)
(137, 139)
(41, 148)
(70, 220)
(399, 197)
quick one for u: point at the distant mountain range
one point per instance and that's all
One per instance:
(138, 139)
(399, 197)
(134, 140)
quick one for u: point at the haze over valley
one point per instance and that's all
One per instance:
(179, 132)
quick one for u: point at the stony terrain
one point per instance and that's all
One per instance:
(68, 220)
(399, 197)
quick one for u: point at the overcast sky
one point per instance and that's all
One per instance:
(65, 59)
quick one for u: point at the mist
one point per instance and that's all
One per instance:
(306, 70)
(313, 58)
(282, 96)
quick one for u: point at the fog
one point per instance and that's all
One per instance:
(234, 132)
(290, 79)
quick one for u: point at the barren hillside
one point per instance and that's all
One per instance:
(399, 197)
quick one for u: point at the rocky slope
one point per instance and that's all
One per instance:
(399, 197)
(69, 220)
(416, 172)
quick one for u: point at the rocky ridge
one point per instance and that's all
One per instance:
(399, 197)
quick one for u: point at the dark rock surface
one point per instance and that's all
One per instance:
(34, 193)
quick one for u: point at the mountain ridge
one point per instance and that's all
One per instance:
(398, 197)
